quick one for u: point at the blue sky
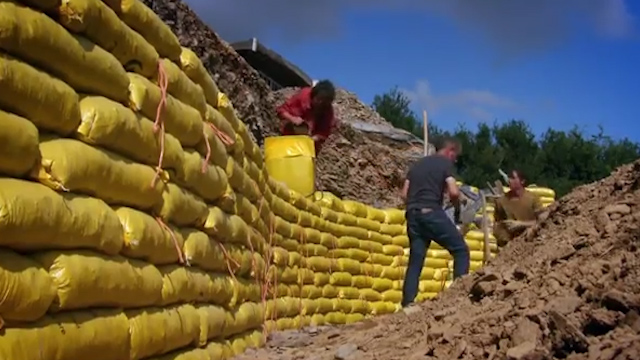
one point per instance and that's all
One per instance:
(551, 65)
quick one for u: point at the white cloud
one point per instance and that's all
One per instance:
(512, 26)
(479, 105)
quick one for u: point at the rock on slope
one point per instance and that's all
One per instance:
(354, 164)
(569, 289)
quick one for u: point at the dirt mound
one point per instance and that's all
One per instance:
(567, 289)
(361, 165)
(356, 165)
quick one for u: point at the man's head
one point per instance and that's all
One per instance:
(322, 95)
(517, 180)
(449, 148)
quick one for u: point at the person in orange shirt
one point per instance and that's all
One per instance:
(310, 112)
(516, 211)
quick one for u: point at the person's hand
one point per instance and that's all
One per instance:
(317, 137)
(296, 120)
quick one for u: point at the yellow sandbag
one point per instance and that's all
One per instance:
(226, 109)
(187, 284)
(156, 331)
(73, 59)
(97, 335)
(221, 126)
(381, 284)
(362, 281)
(355, 208)
(215, 147)
(188, 354)
(382, 307)
(34, 217)
(393, 229)
(347, 219)
(246, 316)
(85, 279)
(43, 5)
(195, 70)
(394, 296)
(19, 152)
(210, 184)
(246, 210)
(143, 20)
(201, 251)
(182, 88)
(218, 224)
(145, 238)
(284, 153)
(23, 86)
(181, 120)
(370, 225)
(394, 216)
(371, 246)
(117, 128)
(74, 166)
(182, 208)
(542, 191)
(376, 214)
(95, 20)
(401, 240)
(213, 320)
(217, 351)
(26, 290)
(336, 318)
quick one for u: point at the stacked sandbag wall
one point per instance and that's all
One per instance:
(137, 218)
(122, 170)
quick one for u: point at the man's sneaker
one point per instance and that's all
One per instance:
(411, 309)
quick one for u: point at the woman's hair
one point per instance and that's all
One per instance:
(324, 89)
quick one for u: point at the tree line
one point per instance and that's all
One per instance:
(560, 160)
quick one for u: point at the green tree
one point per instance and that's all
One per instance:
(395, 107)
(560, 160)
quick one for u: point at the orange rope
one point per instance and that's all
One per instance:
(205, 162)
(175, 241)
(158, 124)
(228, 260)
(226, 139)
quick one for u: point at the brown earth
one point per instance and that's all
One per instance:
(353, 164)
(568, 289)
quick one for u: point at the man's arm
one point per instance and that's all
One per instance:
(500, 231)
(290, 110)
(405, 190)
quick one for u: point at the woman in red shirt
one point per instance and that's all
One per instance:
(310, 111)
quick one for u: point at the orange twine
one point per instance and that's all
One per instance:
(158, 124)
(226, 139)
(229, 260)
(164, 226)
(205, 162)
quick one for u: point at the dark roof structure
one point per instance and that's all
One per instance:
(276, 70)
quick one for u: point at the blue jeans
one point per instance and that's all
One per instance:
(422, 228)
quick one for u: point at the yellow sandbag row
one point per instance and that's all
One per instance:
(23, 85)
(38, 39)
(148, 239)
(95, 20)
(70, 221)
(19, 151)
(117, 128)
(93, 334)
(195, 70)
(205, 180)
(179, 119)
(87, 280)
(183, 208)
(71, 165)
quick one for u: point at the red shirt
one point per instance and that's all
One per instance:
(300, 105)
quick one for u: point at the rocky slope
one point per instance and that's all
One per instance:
(569, 289)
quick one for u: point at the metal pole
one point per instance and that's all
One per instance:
(425, 121)
(485, 230)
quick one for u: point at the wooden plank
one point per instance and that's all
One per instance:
(485, 230)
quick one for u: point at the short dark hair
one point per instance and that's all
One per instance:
(521, 175)
(446, 141)
(324, 89)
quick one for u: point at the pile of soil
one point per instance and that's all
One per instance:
(353, 164)
(568, 289)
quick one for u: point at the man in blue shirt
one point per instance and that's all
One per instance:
(423, 191)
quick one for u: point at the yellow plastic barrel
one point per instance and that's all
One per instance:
(291, 160)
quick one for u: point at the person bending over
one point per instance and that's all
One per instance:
(424, 189)
(310, 112)
(515, 211)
